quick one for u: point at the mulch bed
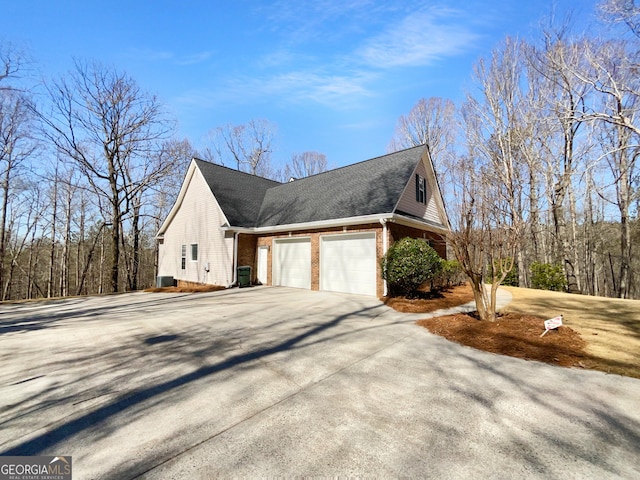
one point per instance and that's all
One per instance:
(515, 335)
(512, 334)
(431, 301)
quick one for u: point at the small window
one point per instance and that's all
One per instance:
(183, 254)
(194, 252)
(421, 189)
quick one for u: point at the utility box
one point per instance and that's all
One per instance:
(244, 276)
(162, 282)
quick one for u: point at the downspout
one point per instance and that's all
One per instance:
(385, 247)
(235, 259)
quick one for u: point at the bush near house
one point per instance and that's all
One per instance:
(450, 275)
(408, 264)
(548, 276)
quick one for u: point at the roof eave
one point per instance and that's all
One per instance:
(342, 222)
(334, 222)
(418, 223)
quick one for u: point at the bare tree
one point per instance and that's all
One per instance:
(621, 11)
(430, 122)
(248, 147)
(495, 125)
(177, 154)
(148, 206)
(12, 61)
(22, 223)
(566, 103)
(304, 165)
(613, 77)
(483, 239)
(109, 128)
(16, 147)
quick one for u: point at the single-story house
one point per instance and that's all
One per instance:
(323, 232)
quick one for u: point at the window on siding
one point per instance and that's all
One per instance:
(421, 189)
(183, 255)
(194, 252)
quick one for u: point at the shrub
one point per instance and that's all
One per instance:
(547, 276)
(450, 274)
(408, 264)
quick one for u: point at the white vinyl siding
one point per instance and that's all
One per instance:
(409, 204)
(292, 262)
(348, 263)
(197, 224)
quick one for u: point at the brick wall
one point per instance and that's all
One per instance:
(247, 253)
(314, 235)
(249, 244)
(397, 232)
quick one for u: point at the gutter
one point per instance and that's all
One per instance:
(234, 273)
(385, 247)
(340, 222)
(337, 222)
(412, 222)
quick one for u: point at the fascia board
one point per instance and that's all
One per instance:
(337, 222)
(341, 222)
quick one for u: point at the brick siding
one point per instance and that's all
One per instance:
(248, 245)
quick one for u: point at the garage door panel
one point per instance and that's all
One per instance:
(348, 263)
(292, 263)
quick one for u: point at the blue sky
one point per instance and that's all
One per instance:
(333, 76)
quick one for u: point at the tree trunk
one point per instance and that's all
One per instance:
(80, 248)
(99, 236)
(115, 250)
(135, 261)
(64, 260)
(101, 269)
(573, 251)
(625, 256)
(3, 222)
(52, 251)
(483, 304)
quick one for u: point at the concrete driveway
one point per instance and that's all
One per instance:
(267, 382)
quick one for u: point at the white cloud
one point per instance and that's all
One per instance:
(417, 40)
(332, 90)
(328, 89)
(346, 74)
(150, 55)
(193, 58)
(318, 20)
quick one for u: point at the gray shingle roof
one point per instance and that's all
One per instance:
(239, 194)
(366, 188)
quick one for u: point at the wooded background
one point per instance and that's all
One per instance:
(543, 150)
(539, 164)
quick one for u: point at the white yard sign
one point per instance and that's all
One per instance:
(551, 324)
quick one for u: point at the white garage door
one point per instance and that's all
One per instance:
(348, 263)
(292, 262)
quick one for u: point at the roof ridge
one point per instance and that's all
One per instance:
(353, 190)
(237, 171)
(347, 166)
